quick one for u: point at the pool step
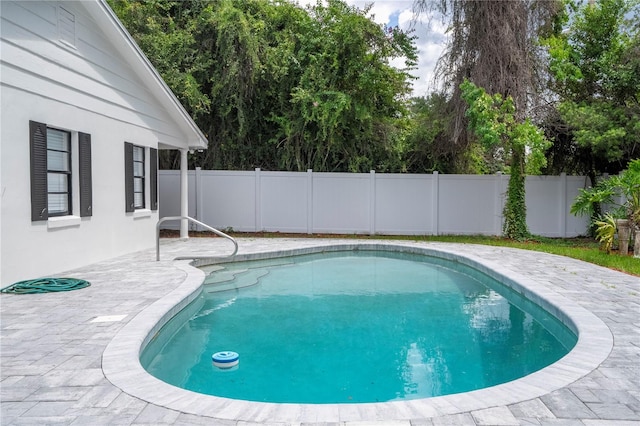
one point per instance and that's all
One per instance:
(262, 263)
(224, 275)
(208, 269)
(247, 278)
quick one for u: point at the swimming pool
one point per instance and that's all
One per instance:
(354, 327)
(121, 359)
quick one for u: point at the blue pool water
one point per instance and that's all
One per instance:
(353, 327)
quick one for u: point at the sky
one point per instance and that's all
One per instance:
(430, 36)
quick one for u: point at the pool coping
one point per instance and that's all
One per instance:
(121, 365)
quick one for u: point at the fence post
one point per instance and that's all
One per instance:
(309, 201)
(372, 202)
(563, 205)
(198, 197)
(498, 204)
(434, 202)
(258, 201)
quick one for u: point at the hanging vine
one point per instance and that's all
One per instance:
(492, 120)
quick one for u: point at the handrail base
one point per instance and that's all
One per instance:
(214, 230)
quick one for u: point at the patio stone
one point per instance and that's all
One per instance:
(498, 416)
(13, 409)
(48, 408)
(454, 420)
(531, 409)
(84, 420)
(613, 411)
(152, 414)
(565, 405)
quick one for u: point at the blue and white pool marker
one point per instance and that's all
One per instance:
(225, 359)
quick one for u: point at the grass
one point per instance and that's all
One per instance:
(585, 249)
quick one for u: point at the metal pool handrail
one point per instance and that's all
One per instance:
(197, 222)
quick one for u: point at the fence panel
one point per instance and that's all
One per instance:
(404, 204)
(547, 191)
(341, 203)
(228, 200)
(467, 205)
(284, 201)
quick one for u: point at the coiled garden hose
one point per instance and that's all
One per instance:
(45, 285)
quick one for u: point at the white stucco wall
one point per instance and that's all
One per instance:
(87, 87)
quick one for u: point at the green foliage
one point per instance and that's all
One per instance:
(606, 231)
(515, 209)
(596, 64)
(492, 119)
(588, 199)
(625, 187)
(425, 146)
(341, 108)
(280, 87)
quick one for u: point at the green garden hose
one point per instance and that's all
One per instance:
(45, 285)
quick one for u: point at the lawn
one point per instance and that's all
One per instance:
(585, 249)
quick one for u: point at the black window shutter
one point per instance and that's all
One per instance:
(84, 174)
(128, 177)
(39, 195)
(153, 178)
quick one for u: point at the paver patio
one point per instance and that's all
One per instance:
(52, 345)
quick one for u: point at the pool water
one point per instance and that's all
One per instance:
(354, 327)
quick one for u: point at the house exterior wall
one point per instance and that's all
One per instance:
(73, 77)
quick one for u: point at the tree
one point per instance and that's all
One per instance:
(494, 44)
(492, 119)
(424, 139)
(277, 86)
(595, 63)
(342, 109)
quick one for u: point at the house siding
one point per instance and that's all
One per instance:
(90, 88)
(90, 76)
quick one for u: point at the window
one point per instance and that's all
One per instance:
(135, 177)
(138, 177)
(52, 173)
(58, 172)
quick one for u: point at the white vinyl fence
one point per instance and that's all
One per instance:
(369, 203)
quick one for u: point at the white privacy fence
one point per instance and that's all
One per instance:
(369, 203)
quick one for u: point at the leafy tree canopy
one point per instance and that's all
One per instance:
(277, 86)
(596, 65)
